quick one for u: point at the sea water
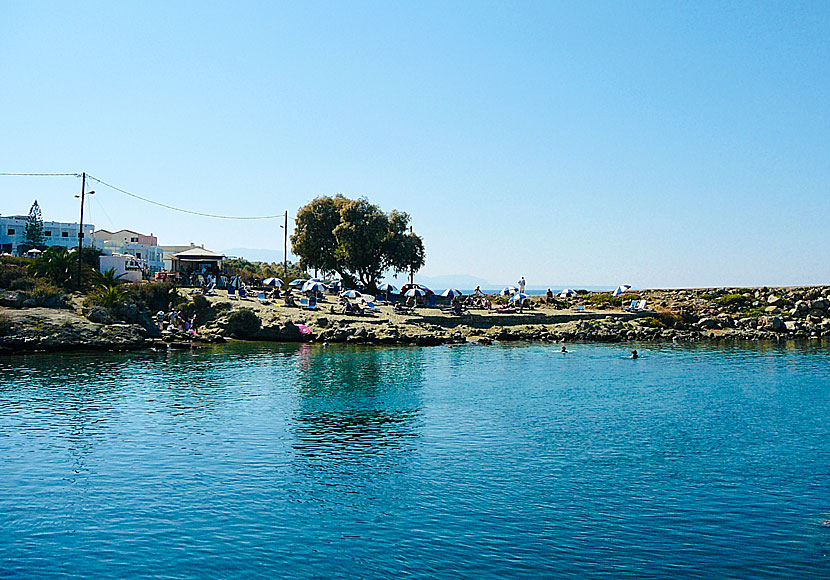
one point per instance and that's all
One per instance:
(505, 461)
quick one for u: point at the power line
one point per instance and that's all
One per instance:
(40, 174)
(199, 213)
(147, 200)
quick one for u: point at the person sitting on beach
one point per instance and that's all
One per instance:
(289, 299)
(486, 303)
(411, 302)
(347, 306)
(549, 296)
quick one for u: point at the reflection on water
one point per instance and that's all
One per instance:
(304, 461)
(355, 401)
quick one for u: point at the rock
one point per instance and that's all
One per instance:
(819, 304)
(772, 310)
(12, 299)
(707, 323)
(770, 323)
(29, 303)
(802, 305)
(791, 325)
(322, 322)
(99, 315)
(774, 300)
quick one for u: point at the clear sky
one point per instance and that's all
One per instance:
(649, 143)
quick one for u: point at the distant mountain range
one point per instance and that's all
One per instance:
(254, 254)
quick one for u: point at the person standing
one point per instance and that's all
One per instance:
(522, 285)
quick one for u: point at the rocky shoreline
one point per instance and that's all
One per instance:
(740, 314)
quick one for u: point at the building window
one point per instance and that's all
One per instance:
(11, 231)
(65, 234)
(134, 240)
(48, 234)
(138, 255)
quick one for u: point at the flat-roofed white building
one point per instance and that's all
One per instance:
(142, 246)
(13, 228)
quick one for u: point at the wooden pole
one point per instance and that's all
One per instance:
(285, 250)
(81, 228)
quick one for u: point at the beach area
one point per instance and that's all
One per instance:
(680, 315)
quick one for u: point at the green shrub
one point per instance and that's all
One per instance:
(11, 270)
(732, 300)
(154, 297)
(243, 322)
(107, 296)
(653, 322)
(755, 312)
(601, 300)
(21, 284)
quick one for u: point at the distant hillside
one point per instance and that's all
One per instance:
(255, 255)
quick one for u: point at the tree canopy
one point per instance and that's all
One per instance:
(33, 234)
(355, 239)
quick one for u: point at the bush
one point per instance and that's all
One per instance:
(732, 300)
(661, 320)
(107, 296)
(603, 300)
(243, 323)
(154, 297)
(12, 270)
(756, 312)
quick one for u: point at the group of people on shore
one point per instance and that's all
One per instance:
(175, 321)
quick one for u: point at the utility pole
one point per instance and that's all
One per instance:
(285, 250)
(411, 271)
(81, 228)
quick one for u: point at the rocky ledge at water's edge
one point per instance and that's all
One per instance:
(672, 315)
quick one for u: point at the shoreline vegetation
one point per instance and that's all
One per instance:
(126, 320)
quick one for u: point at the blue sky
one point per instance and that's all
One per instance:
(649, 143)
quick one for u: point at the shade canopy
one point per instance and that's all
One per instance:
(387, 288)
(451, 293)
(622, 289)
(351, 294)
(314, 287)
(508, 290)
(273, 282)
(415, 292)
(567, 292)
(518, 296)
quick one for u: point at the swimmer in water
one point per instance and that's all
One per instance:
(634, 353)
(564, 350)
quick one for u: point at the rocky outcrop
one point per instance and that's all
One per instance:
(34, 329)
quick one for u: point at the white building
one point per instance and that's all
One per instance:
(142, 246)
(13, 228)
(127, 267)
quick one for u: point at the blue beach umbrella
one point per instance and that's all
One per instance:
(508, 290)
(351, 294)
(567, 292)
(622, 289)
(451, 293)
(314, 287)
(299, 282)
(415, 292)
(518, 296)
(273, 282)
(386, 287)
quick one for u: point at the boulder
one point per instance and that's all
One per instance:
(707, 323)
(12, 299)
(774, 300)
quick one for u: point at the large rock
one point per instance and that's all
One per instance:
(774, 300)
(707, 323)
(11, 299)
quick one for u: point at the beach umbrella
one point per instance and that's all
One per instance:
(507, 291)
(451, 293)
(351, 294)
(415, 292)
(622, 289)
(518, 296)
(313, 287)
(273, 282)
(387, 288)
(567, 292)
(299, 282)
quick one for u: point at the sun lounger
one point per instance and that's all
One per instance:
(633, 306)
(243, 294)
(232, 293)
(262, 299)
(642, 306)
(580, 308)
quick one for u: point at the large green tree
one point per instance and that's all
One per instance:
(33, 234)
(355, 239)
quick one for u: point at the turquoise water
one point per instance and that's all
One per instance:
(298, 461)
